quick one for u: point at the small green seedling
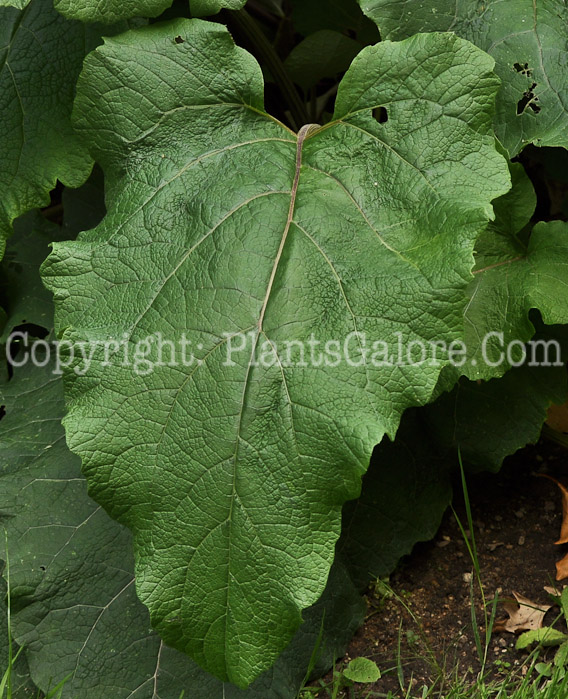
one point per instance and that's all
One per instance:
(362, 670)
(358, 671)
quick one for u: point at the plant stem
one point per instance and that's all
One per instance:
(272, 60)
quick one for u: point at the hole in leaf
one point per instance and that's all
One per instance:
(2, 411)
(528, 101)
(381, 115)
(179, 40)
(33, 330)
(42, 568)
(522, 68)
(21, 337)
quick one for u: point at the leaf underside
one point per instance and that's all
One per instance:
(491, 420)
(232, 475)
(405, 493)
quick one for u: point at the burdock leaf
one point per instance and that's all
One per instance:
(405, 493)
(252, 243)
(509, 412)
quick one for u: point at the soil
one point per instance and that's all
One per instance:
(517, 518)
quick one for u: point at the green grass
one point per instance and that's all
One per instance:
(531, 686)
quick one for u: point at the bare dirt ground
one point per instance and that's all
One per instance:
(517, 518)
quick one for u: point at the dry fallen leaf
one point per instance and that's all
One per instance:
(553, 591)
(564, 528)
(525, 617)
(562, 568)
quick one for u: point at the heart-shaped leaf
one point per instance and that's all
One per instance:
(405, 493)
(268, 253)
(509, 412)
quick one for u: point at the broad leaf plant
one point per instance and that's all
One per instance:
(279, 184)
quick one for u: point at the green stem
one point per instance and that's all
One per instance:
(266, 52)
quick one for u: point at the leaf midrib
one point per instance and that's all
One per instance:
(302, 134)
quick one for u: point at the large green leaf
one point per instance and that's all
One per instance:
(527, 39)
(232, 472)
(41, 56)
(112, 11)
(19, 4)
